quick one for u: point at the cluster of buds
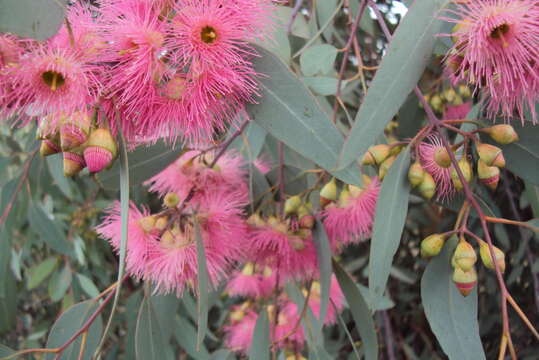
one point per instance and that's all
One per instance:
(422, 180)
(464, 259)
(81, 145)
(382, 156)
(449, 97)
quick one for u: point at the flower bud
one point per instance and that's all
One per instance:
(450, 95)
(355, 191)
(484, 252)
(465, 280)
(147, 223)
(248, 269)
(161, 223)
(49, 147)
(74, 131)
(237, 316)
(255, 220)
(465, 256)
(303, 210)
(73, 164)
(416, 174)
(432, 245)
(307, 222)
(171, 200)
(328, 193)
(427, 188)
(292, 204)
(488, 175)
(441, 157)
(384, 168)
(466, 169)
(100, 150)
(491, 155)
(502, 134)
(344, 197)
(297, 243)
(376, 154)
(464, 91)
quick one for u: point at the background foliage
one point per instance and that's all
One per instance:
(54, 267)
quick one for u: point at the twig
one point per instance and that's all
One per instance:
(388, 331)
(23, 178)
(295, 12)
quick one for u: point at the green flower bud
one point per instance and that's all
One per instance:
(465, 280)
(171, 200)
(416, 174)
(488, 175)
(292, 204)
(432, 245)
(328, 193)
(465, 256)
(491, 155)
(484, 252)
(466, 169)
(427, 188)
(502, 134)
(376, 154)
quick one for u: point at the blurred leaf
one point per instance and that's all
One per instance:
(87, 285)
(260, 345)
(68, 324)
(322, 85)
(37, 273)
(149, 343)
(186, 335)
(8, 304)
(202, 287)
(5, 351)
(56, 169)
(324, 12)
(522, 157)
(452, 317)
(144, 162)
(398, 73)
(222, 354)
(165, 309)
(360, 312)
(323, 254)
(391, 210)
(250, 142)
(318, 60)
(37, 19)
(59, 283)
(48, 230)
(5, 256)
(286, 109)
(532, 193)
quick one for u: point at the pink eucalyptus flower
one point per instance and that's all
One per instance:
(350, 220)
(239, 334)
(496, 49)
(441, 175)
(457, 112)
(191, 171)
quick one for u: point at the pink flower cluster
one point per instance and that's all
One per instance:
(156, 69)
(496, 50)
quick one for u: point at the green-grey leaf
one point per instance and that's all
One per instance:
(48, 230)
(322, 85)
(391, 210)
(323, 254)
(318, 60)
(360, 312)
(452, 317)
(68, 324)
(87, 285)
(37, 19)
(149, 344)
(37, 273)
(260, 345)
(59, 283)
(202, 287)
(522, 157)
(56, 169)
(144, 163)
(287, 109)
(399, 72)
(186, 335)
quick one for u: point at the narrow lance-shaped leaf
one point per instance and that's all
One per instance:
(260, 345)
(323, 253)
(202, 317)
(398, 74)
(391, 210)
(452, 317)
(360, 312)
(124, 214)
(149, 344)
(287, 108)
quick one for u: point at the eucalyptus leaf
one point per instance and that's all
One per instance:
(360, 312)
(149, 344)
(452, 317)
(260, 345)
(202, 287)
(318, 60)
(39, 272)
(390, 216)
(286, 109)
(68, 324)
(323, 254)
(48, 230)
(400, 69)
(37, 19)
